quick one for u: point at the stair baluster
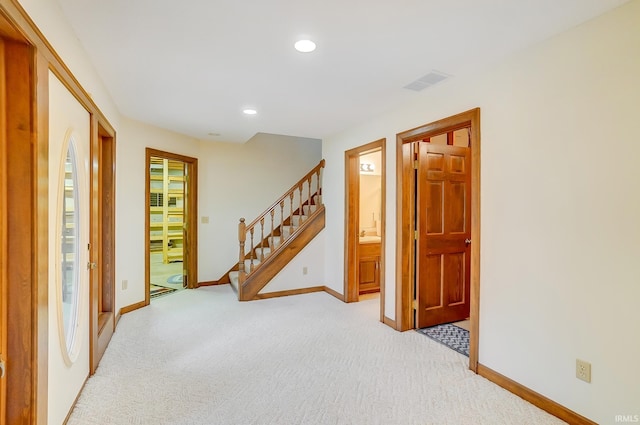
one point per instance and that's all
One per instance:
(281, 220)
(272, 241)
(291, 215)
(318, 189)
(300, 208)
(251, 252)
(261, 239)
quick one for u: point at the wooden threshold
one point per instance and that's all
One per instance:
(533, 397)
(212, 283)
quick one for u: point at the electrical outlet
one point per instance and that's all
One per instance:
(125, 284)
(305, 270)
(583, 370)
(205, 219)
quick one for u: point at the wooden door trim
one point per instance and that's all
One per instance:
(25, 191)
(352, 214)
(192, 216)
(3, 229)
(405, 218)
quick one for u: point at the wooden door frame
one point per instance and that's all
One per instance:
(3, 231)
(102, 291)
(192, 217)
(25, 224)
(352, 218)
(405, 195)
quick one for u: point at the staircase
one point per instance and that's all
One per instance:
(276, 236)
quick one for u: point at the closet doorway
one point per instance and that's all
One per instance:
(171, 200)
(364, 232)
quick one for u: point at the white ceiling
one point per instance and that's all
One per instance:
(192, 66)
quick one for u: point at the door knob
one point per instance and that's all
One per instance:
(467, 241)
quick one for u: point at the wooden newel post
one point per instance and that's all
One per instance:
(242, 237)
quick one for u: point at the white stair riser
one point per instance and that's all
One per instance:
(233, 278)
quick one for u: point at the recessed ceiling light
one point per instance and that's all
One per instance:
(213, 134)
(305, 46)
(249, 111)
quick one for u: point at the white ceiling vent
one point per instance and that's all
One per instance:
(434, 77)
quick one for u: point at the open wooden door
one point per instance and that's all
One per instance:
(171, 220)
(102, 251)
(443, 229)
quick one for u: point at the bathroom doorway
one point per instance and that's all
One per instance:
(364, 232)
(171, 223)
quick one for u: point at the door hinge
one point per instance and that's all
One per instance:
(415, 234)
(415, 164)
(414, 304)
(3, 367)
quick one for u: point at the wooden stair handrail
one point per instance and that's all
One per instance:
(287, 193)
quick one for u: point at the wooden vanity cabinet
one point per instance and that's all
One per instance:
(369, 268)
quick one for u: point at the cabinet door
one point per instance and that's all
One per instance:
(369, 273)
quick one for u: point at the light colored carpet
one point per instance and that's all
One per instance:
(201, 357)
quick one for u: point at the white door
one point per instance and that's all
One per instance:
(69, 153)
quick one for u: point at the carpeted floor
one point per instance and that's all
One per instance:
(450, 335)
(201, 357)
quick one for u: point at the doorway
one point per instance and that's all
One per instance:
(365, 217)
(438, 227)
(171, 199)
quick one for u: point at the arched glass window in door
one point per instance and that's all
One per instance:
(69, 248)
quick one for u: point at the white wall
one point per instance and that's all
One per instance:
(133, 138)
(293, 275)
(50, 20)
(370, 200)
(234, 180)
(560, 213)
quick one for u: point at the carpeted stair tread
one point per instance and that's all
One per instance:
(297, 219)
(309, 209)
